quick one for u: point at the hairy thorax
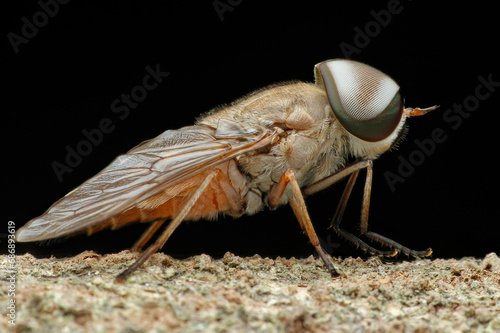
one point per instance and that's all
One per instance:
(311, 141)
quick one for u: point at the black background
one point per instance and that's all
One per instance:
(66, 77)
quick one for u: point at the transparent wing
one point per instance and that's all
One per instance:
(137, 175)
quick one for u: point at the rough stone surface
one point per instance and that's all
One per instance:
(253, 294)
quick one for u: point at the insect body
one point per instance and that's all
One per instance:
(269, 148)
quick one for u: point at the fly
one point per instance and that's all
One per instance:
(272, 147)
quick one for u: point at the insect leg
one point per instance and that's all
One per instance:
(364, 216)
(353, 170)
(343, 200)
(146, 236)
(389, 242)
(330, 180)
(374, 236)
(296, 212)
(365, 208)
(299, 208)
(158, 244)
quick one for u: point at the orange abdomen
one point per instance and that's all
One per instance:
(166, 204)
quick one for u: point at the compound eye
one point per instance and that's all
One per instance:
(366, 101)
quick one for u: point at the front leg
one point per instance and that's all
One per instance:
(353, 170)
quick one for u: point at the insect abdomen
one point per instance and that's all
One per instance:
(219, 197)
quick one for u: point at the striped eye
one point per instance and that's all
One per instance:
(366, 101)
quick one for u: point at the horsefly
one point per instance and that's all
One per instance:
(271, 147)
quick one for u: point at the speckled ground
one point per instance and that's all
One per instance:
(254, 294)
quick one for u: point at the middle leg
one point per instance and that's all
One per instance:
(299, 208)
